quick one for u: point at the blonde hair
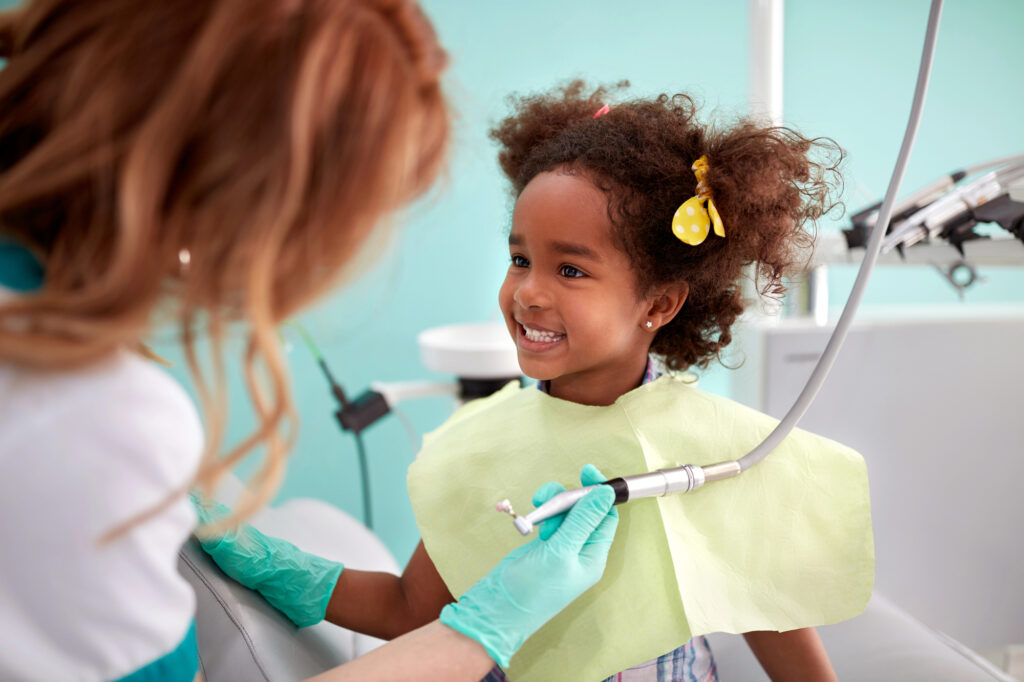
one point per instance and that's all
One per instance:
(263, 138)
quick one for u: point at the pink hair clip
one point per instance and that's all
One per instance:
(602, 111)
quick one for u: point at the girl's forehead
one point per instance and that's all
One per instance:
(560, 205)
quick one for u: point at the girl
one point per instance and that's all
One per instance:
(630, 232)
(609, 264)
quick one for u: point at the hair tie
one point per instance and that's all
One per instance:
(693, 220)
(602, 111)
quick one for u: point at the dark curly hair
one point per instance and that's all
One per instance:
(766, 186)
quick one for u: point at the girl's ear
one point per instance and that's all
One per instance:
(664, 305)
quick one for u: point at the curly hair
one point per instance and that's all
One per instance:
(765, 183)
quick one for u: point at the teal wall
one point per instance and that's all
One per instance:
(850, 73)
(850, 70)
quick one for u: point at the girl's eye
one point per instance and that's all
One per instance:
(520, 262)
(570, 271)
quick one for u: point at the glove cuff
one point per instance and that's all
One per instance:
(465, 617)
(316, 578)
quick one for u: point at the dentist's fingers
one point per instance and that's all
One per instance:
(584, 519)
(543, 494)
(595, 549)
(589, 475)
(546, 492)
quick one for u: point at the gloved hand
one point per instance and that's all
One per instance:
(535, 581)
(296, 583)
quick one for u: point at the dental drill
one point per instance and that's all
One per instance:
(689, 477)
(684, 479)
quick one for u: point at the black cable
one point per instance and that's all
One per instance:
(345, 403)
(336, 389)
(364, 475)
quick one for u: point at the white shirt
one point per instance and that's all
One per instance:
(81, 451)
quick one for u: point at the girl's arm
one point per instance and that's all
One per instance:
(385, 605)
(307, 588)
(796, 655)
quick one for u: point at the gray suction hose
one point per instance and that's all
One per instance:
(821, 370)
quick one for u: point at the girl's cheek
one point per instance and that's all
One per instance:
(505, 296)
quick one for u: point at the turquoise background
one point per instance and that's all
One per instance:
(849, 74)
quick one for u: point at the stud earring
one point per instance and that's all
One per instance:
(184, 260)
(649, 324)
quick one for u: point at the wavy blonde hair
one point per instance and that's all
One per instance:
(263, 138)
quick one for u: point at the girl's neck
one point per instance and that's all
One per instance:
(590, 390)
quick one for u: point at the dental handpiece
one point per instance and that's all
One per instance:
(683, 479)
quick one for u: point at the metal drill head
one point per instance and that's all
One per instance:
(523, 525)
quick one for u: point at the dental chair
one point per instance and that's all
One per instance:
(885, 643)
(242, 638)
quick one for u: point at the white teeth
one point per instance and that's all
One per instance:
(541, 336)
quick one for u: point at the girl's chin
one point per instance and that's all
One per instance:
(538, 371)
(538, 376)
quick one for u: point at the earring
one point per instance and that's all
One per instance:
(184, 260)
(649, 324)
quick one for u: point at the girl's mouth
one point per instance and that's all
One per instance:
(537, 339)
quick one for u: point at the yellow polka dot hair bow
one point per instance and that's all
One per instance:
(692, 220)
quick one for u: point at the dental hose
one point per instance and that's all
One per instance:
(690, 477)
(339, 395)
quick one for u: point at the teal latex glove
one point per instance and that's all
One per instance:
(535, 581)
(296, 583)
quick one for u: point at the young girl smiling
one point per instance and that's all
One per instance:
(600, 278)
(570, 298)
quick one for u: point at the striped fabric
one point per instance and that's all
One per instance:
(691, 662)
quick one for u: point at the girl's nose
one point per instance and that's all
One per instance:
(531, 294)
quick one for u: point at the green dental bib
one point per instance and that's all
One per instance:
(785, 545)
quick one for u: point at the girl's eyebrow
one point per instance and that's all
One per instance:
(574, 249)
(564, 248)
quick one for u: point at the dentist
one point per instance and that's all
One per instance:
(211, 167)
